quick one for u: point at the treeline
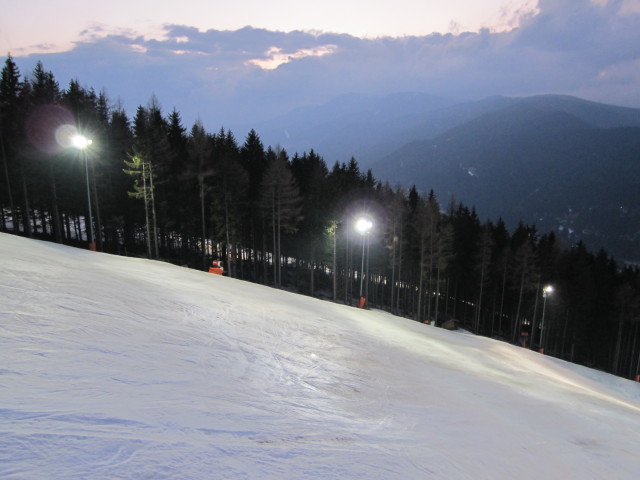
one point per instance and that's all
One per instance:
(188, 196)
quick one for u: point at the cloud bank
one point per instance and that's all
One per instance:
(587, 48)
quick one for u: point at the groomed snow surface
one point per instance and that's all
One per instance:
(125, 368)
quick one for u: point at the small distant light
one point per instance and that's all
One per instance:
(548, 290)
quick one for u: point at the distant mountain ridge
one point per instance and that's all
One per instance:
(370, 127)
(557, 161)
(353, 125)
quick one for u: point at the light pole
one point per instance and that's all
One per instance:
(363, 226)
(546, 291)
(81, 143)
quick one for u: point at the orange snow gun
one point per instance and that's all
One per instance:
(216, 268)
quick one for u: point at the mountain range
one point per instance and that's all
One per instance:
(558, 162)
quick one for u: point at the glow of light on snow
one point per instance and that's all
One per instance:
(117, 367)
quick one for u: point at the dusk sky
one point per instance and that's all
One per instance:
(244, 61)
(42, 26)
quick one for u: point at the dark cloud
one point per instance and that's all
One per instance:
(580, 47)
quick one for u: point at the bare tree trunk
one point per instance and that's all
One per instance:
(227, 235)
(493, 316)
(393, 265)
(517, 319)
(502, 294)
(366, 277)
(312, 265)
(55, 223)
(399, 276)
(479, 307)
(535, 313)
(146, 208)
(280, 258)
(153, 213)
(26, 211)
(347, 274)
(564, 333)
(274, 255)
(633, 350)
(430, 277)
(616, 355)
(202, 221)
(420, 281)
(335, 261)
(14, 220)
(437, 294)
(97, 205)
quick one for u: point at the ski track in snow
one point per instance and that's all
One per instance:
(119, 368)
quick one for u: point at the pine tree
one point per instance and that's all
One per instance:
(228, 198)
(310, 173)
(177, 189)
(443, 255)
(151, 134)
(119, 217)
(427, 218)
(483, 259)
(142, 171)
(524, 270)
(394, 203)
(254, 162)
(90, 118)
(281, 202)
(45, 115)
(199, 146)
(9, 97)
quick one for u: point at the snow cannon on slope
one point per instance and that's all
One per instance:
(216, 267)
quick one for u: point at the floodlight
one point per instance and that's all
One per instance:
(363, 225)
(80, 141)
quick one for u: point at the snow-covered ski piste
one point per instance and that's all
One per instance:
(125, 368)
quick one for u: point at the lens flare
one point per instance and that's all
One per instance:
(65, 134)
(47, 127)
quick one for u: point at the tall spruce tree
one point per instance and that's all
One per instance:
(228, 197)
(142, 171)
(310, 173)
(483, 262)
(119, 217)
(524, 272)
(9, 120)
(281, 203)
(200, 148)
(253, 160)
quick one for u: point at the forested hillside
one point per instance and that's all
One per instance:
(185, 195)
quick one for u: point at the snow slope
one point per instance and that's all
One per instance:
(123, 368)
